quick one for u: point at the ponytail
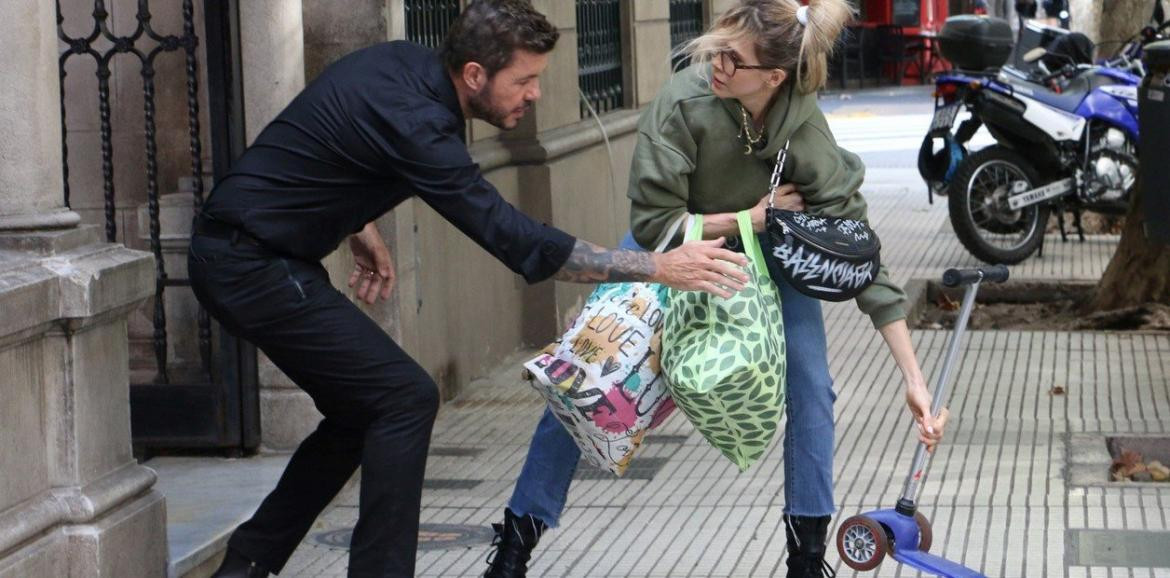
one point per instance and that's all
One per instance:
(826, 19)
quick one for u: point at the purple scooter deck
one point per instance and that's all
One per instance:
(927, 562)
(905, 531)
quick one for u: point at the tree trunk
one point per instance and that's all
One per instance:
(1139, 272)
(1109, 23)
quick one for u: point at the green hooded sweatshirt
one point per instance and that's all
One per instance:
(690, 157)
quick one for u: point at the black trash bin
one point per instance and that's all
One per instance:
(1153, 121)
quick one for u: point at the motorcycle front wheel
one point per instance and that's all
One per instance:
(979, 210)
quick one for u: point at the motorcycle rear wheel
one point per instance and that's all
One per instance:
(978, 206)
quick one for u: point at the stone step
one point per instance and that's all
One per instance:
(207, 497)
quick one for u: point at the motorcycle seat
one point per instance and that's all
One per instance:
(1074, 91)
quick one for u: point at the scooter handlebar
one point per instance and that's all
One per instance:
(959, 277)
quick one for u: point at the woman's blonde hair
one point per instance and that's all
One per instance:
(781, 40)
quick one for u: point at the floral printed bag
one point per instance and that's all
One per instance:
(603, 378)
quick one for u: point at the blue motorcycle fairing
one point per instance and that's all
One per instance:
(1113, 110)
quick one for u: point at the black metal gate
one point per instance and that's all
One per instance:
(599, 55)
(215, 404)
(686, 24)
(427, 21)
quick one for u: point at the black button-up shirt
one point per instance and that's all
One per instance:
(378, 126)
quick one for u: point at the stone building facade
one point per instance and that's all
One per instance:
(81, 272)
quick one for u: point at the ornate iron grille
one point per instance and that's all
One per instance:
(103, 45)
(686, 24)
(599, 54)
(427, 21)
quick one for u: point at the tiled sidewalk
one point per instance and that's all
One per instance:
(996, 492)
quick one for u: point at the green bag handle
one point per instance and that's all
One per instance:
(751, 245)
(694, 230)
(747, 235)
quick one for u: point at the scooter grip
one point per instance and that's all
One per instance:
(959, 277)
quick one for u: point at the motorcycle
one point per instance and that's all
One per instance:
(1066, 140)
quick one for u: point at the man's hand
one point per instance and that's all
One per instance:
(695, 266)
(373, 268)
(702, 266)
(930, 428)
(786, 198)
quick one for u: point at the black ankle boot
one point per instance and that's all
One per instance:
(236, 565)
(513, 545)
(806, 547)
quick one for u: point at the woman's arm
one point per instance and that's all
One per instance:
(718, 225)
(918, 399)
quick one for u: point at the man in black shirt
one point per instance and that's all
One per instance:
(377, 127)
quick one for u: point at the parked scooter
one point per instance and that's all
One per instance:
(1066, 139)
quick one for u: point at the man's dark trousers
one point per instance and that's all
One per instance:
(379, 405)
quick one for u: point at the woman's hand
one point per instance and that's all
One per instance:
(930, 428)
(373, 267)
(786, 198)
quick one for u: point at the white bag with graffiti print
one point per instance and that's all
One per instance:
(603, 379)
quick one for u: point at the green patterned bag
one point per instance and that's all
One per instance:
(724, 358)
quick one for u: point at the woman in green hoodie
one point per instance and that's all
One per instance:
(707, 145)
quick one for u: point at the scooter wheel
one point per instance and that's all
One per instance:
(862, 543)
(925, 533)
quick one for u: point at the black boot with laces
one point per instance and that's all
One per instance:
(512, 546)
(806, 547)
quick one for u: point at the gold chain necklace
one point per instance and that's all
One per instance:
(752, 141)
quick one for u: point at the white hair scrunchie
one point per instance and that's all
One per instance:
(802, 15)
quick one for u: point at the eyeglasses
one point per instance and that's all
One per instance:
(730, 63)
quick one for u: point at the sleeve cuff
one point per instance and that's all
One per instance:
(887, 314)
(554, 250)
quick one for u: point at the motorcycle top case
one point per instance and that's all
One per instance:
(976, 42)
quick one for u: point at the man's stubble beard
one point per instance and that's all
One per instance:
(481, 107)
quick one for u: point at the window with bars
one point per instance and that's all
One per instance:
(686, 24)
(427, 21)
(599, 55)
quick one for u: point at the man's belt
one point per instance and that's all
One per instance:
(207, 227)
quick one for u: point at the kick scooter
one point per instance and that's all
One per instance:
(903, 533)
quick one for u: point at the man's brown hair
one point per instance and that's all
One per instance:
(490, 31)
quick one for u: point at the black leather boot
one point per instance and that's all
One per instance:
(235, 565)
(806, 547)
(513, 545)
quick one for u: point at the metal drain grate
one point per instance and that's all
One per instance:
(1128, 548)
(455, 451)
(450, 484)
(640, 469)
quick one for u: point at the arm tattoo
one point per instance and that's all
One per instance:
(589, 263)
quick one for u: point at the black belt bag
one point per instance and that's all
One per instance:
(828, 258)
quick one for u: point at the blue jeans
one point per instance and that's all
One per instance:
(552, 459)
